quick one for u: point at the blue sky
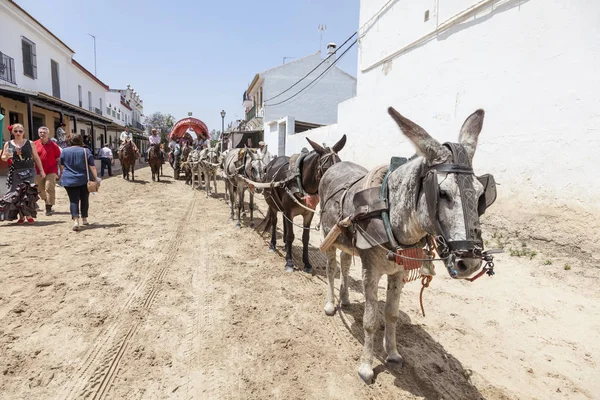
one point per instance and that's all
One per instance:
(198, 56)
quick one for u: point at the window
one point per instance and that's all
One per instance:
(29, 58)
(108, 110)
(80, 95)
(55, 79)
(7, 68)
(90, 101)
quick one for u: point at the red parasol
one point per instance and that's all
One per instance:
(182, 126)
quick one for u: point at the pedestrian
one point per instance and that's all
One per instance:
(106, 159)
(61, 136)
(49, 154)
(263, 152)
(22, 193)
(76, 162)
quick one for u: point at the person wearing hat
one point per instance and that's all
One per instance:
(263, 152)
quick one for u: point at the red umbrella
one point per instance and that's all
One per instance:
(182, 126)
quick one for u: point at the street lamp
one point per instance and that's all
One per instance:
(222, 129)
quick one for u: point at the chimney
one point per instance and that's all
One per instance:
(331, 47)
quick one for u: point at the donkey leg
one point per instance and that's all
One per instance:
(305, 238)
(289, 263)
(251, 194)
(392, 304)
(273, 216)
(370, 282)
(345, 261)
(331, 271)
(240, 205)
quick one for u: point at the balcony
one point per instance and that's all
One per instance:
(98, 111)
(138, 125)
(7, 69)
(251, 113)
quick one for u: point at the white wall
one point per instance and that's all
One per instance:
(14, 25)
(317, 104)
(531, 64)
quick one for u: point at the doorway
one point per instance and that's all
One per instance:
(38, 121)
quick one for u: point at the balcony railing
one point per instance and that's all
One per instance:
(7, 68)
(251, 113)
(138, 125)
(98, 111)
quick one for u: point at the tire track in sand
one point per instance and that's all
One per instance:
(97, 384)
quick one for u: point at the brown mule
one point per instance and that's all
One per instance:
(127, 158)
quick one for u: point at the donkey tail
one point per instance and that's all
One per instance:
(268, 221)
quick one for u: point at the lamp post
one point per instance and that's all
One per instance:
(222, 130)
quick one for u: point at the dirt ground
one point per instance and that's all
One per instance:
(163, 298)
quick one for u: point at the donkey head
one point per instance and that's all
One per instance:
(447, 204)
(327, 156)
(255, 166)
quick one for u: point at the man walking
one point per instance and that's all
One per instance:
(49, 153)
(106, 158)
(263, 152)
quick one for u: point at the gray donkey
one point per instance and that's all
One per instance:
(419, 209)
(209, 164)
(240, 164)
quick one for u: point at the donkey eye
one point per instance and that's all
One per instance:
(444, 194)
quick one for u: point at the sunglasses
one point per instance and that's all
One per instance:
(18, 131)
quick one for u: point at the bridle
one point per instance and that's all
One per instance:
(326, 161)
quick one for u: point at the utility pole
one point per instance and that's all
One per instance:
(321, 29)
(95, 69)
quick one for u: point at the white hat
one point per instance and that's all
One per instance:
(261, 143)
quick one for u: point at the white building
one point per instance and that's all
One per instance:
(41, 83)
(531, 64)
(266, 106)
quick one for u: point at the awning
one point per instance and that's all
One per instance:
(51, 103)
(185, 124)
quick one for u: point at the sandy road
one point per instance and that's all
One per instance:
(162, 298)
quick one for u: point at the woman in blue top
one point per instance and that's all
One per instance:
(75, 164)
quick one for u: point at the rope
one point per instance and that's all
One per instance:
(425, 280)
(317, 228)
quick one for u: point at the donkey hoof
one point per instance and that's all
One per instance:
(272, 248)
(395, 358)
(289, 269)
(238, 226)
(330, 309)
(366, 373)
(308, 269)
(251, 225)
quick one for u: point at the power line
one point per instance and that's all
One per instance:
(314, 69)
(317, 78)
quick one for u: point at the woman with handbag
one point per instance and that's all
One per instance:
(76, 163)
(20, 199)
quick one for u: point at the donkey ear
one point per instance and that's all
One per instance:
(318, 148)
(469, 133)
(426, 146)
(339, 145)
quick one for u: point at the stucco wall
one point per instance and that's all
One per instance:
(317, 104)
(531, 64)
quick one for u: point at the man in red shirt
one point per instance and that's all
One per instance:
(49, 153)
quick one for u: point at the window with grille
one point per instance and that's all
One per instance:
(29, 58)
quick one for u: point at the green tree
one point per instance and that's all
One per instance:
(161, 122)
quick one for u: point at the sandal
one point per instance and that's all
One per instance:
(85, 221)
(30, 220)
(20, 221)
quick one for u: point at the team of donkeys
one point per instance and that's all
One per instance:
(430, 201)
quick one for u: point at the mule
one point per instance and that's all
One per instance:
(419, 209)
(208, 166)
(305, 188)
(127, 158)
(240, 164)
(155, 161)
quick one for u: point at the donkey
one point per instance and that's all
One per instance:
(240, 164)
(453, 222)
(209, 163)
(127, 159)
(312, 167)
